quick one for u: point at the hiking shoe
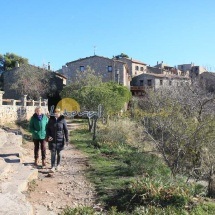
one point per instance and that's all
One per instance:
(52, 170)
(58, 168)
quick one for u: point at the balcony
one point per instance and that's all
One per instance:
(137, 88)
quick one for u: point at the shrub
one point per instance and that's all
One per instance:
(121, 132)
(153, 192)
(78, 211)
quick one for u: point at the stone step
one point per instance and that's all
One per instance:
(14, 203)
(14, 176)
(4, 168)
(12, 159)
(13, 140)
(11, 151)
(18, 178)
(3, 136)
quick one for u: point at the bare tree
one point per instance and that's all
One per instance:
(181, 122)
(33, 81)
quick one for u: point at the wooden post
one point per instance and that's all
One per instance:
(1, 97)
(24, 100)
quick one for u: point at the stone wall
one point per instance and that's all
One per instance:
(100, 65)
(24, 111)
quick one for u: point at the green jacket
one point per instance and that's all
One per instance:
(38, 127)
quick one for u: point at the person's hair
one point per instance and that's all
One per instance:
(37, 108)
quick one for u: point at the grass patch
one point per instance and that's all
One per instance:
(114, 167)
(131, 181)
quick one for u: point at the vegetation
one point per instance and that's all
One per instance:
(122, 55)
(9, 60)
(180, 122)
(90, 92)
(130, 180)
(33, 81)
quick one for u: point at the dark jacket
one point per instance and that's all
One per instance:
(57, 129)
(38, 127)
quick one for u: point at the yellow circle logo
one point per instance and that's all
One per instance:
(68, 105)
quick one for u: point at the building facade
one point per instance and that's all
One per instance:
(135, 67)
(140, 83)
(109, 69)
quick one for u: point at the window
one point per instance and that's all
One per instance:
(141, 68)
(109, 68)
(81, 68)
(141, 82)
(149, 82)
(137, 68)
(161, 82)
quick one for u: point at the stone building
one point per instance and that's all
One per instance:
(109, 69)
(191, 70)
(155, 81)
(135, 67)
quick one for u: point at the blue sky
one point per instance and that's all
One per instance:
(60, 31)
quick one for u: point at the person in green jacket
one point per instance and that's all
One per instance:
(37, 127)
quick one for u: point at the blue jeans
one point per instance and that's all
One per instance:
(56, 150)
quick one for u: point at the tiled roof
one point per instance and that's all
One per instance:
(137, 61)
(59, 74)
(80, 59)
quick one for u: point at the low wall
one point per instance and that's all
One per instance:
(9, 113)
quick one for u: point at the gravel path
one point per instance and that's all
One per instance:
(52, 192)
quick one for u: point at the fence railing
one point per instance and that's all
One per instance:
(22, 102)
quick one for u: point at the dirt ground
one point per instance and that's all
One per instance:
(52, 192)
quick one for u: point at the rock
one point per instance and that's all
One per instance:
(10, 204)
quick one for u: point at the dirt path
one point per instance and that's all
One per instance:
(51, 193)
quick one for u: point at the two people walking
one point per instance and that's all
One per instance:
(54, 130)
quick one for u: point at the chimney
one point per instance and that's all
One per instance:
(48, 65)
(157, 62)
(17, 64)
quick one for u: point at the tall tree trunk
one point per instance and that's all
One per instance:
(90, 124)
(94, 128)
(211, 184)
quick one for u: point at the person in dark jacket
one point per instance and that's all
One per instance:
(57, 135)
(37, 127)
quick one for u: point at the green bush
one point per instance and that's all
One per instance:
(78, 211)
(204, 208)
(120, 132)
(139, 163)
(153, 210)
(155, 192)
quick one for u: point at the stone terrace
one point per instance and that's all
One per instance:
(14, 176)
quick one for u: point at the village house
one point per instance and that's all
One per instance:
(154, 81)
(135, 67)
(109, 69)
(191, 70)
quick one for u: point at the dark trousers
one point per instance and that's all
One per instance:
(56, 150)
(39, 144)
